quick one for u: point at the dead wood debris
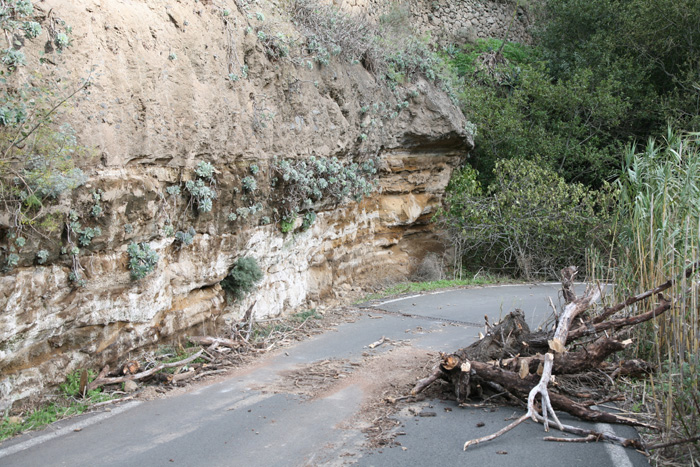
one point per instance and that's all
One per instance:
(213, 355)
(541, 367)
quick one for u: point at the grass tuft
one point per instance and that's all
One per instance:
(416, 287)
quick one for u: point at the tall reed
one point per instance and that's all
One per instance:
(659, 228)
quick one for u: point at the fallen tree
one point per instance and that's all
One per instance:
(521, 364)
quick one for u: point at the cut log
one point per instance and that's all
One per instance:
(131, 367)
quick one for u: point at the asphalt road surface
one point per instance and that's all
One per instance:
(248, 419)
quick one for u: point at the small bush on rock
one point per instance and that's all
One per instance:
(242, 278)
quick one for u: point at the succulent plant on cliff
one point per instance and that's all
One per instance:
(142, 260)
(173, 190)
(309, 219)
(62, 41)
(316, 178)
(42, 256)
(205, 170)
(87, 234)
(17, 20)
(249, 184)
(11, 261)
(202, 193)
(304, 183)
(96, 210)
(13, 59)
(187, 237)
(168, 230)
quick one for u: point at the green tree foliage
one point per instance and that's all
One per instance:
(651, 46)
(602, 73)
(529, 221)
(520, 111)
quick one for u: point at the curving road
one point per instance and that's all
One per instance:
(238, 421)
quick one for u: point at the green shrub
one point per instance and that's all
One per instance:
(142, 260)
(242, 278)
(648, 45)
(287, 224)
(530, 221)
(571, 125)
(466, 59)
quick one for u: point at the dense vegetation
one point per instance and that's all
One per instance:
(588, 153)
(599, 77)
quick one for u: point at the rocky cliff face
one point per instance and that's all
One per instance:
(175, 84)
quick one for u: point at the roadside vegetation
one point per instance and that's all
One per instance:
(68, 402)
(166, 367)
(588, 153)
(429, 286)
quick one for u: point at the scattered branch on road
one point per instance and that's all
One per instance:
(120, 379)
(212, 355)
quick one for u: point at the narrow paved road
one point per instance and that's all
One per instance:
(258, 417)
